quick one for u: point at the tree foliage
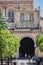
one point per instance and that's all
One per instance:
(8, 43)
(41, 47)
(39, 41)
(3, 21)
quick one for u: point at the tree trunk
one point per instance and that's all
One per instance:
(11, 60)
(1, 61)
(8, 61)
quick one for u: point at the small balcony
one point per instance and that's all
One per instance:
(11, 25)
(26, 26)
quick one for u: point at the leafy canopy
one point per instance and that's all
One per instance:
(39, 42)
(41, 47)
(3, 21)
(39, 39)
(8, 43)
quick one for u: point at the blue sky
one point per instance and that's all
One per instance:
(39, 3)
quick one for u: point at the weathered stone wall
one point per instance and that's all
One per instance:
(18, 7)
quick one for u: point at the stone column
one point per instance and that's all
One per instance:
(4, 10)
(17, 54)
(36, 18)
(17, 17)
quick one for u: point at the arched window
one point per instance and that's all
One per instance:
(32, 17)
(11, 16)
(22, 17)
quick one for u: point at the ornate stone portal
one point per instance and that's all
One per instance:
(24, 20)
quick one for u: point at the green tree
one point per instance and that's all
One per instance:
(37, 39)
(3, 21)
(8, 43)
(39, 42)
(41, 47)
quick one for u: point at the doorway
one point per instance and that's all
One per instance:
(26, 47)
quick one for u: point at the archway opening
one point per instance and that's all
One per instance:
(26, 47)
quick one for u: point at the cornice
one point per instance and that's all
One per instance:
(15, 2)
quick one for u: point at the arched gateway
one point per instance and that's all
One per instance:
(26, 47)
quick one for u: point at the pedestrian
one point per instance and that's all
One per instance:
(25, 56)
(29, 57)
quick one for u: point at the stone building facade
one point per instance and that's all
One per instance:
(24, 21)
